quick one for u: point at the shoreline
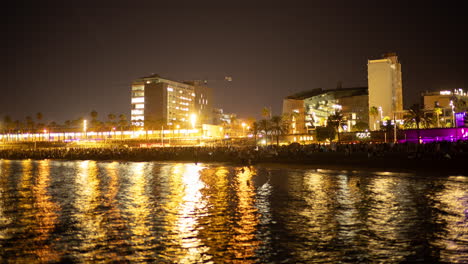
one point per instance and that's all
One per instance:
(398, 164)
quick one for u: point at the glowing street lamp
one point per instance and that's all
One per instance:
(453, 112)
(85, 127)
(193, 119)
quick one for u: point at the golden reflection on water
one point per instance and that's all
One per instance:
(192, 207)
(453, 200)
(186, 213)
(216, 233)
(184, 206)
(245, 242)
(87, 215)
(27, 211)
(319, 217)
(138, 210)
(116, 243)
(36, 215)
(4, 190)
(389, 218)
(347, 196)
(46, 215)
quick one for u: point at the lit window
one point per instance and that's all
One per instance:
(138, 118)
(138, 87)
(137, 112)
(139, 106)
(138, 100)
(170, 89)
(193, 94)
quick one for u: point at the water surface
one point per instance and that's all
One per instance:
(148, 212)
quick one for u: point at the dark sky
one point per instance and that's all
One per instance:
(67, 58)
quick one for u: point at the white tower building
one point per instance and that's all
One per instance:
(385, 88)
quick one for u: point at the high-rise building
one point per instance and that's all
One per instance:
(156, 100)
(385, 87)
(203, 101)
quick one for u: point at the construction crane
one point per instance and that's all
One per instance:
(226, 78)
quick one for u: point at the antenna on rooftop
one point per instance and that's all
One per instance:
(226, 78)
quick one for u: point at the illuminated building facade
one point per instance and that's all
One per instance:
(203, 101)
(449, 102)
(385, 87)
(221, 118)
(156, 100)
(310, 109)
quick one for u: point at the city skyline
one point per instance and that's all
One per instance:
(65, 60)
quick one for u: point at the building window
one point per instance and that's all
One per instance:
(138, 88)
(137, 112)
(138, 100)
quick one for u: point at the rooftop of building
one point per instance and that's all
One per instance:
(340, 92)
(452, 92)
(153, 76)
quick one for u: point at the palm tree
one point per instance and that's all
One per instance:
(278, 126)
(8, 123)
(111, 118)
(438, 112)
(416, 117)
(266, 112)
(67, 124)
(94, 122)
(265, 126)
(335, 121)
(18, 125)
(29, 123)
(374, 112)
(93, 114)
(255, 129)
(39, 117)
(122, 121)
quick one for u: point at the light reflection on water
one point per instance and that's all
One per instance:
(138, 212)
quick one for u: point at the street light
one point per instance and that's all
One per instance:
(453, 112)
(193, 119)
(85, 127)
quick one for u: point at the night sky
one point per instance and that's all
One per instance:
(67, 58)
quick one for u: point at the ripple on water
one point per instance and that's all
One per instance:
(88, 211)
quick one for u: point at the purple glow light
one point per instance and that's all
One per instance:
(436, 134)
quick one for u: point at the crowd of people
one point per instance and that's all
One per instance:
(252, 154)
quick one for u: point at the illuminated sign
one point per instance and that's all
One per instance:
(363, 135)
